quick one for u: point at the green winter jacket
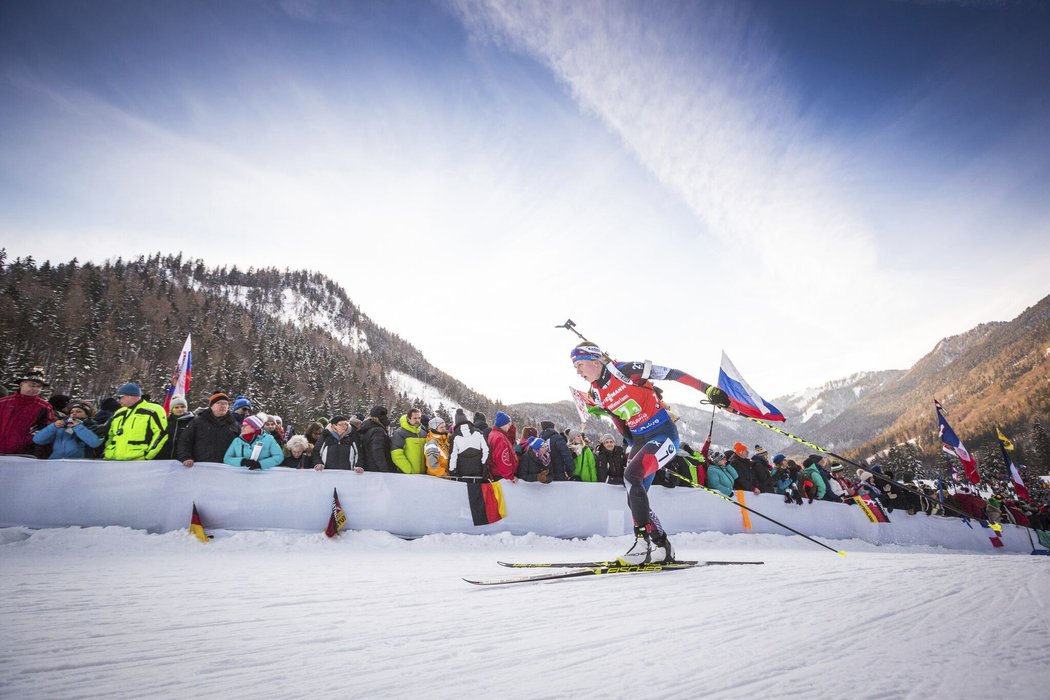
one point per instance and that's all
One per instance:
(137, 432)
(585, 469)
(813, 474)
(406, 447)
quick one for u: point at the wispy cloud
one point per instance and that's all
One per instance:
(702, 110)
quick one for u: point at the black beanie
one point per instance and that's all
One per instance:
(460, 418)
(546, 425)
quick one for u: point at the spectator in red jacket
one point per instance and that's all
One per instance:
(501, 448)
(23, 413)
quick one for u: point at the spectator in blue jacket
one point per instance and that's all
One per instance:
(254, 449)
(73, 437)
(720, 475)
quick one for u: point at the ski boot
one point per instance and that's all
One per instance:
(641, 551)
(662, 551)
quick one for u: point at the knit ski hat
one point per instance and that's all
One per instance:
(129, 389)
(178, 401)
(740, 448)
(777, 459)
(254, 422)
(547, 425)
(215, 398)
(479, 417)
(460, 418)
(435, 423)
(241, 402)
(501, 419)
(585, 352)
(536, 443)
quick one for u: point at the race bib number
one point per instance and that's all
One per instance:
(628, 410)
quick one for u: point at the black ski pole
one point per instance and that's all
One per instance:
(569, 325)
(752, 510)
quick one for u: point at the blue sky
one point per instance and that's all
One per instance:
(818, 188)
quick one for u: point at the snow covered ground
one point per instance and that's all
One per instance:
(116, 612)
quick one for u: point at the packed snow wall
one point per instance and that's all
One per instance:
(158, 497)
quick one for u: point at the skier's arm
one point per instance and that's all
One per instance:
(656, 372)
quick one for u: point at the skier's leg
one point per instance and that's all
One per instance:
(639, 475)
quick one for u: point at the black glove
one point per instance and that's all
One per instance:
(717, 397)
(251, 463)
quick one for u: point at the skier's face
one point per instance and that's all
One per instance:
(590, 370)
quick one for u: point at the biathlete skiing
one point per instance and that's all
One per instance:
(625, 391)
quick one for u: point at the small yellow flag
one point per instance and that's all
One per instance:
(1005, 440)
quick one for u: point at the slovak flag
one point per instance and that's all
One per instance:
(951, 444)
(180, 381)
(742, 398)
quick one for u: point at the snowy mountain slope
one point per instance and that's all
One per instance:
(116, 613)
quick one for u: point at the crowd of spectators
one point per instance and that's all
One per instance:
(229, 430)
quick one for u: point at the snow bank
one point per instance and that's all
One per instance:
(157, 497)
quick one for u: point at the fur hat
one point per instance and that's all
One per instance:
(501, 419)
(83, 406)
(33, 374)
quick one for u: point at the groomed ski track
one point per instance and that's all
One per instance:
(117, 613)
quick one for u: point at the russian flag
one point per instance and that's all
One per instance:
(180, 381)
(742, 398)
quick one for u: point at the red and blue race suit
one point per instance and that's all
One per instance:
(624, 389)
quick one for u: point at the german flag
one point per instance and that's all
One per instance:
(196, 529)
(486, 502)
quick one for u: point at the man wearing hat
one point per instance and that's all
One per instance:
(501, 441)
(208, 435)
(23, 413)
(437, 448)
(138, 430)
(375, 442)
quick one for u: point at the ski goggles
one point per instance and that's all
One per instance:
(585, 352)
